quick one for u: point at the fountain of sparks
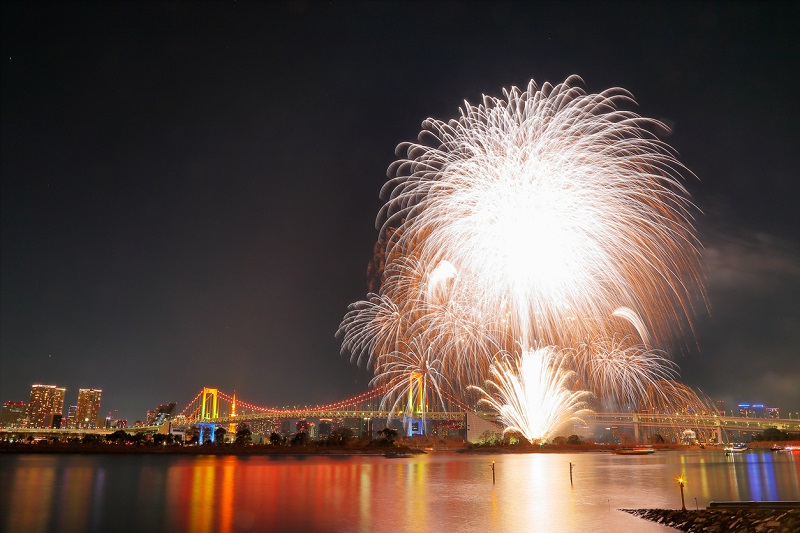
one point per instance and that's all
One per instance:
(532, 394)
(549, 217)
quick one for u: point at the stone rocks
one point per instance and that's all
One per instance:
(713, 520)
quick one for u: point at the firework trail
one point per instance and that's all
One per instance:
(547, 217)
(410, 373)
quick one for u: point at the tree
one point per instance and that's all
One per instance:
(491, 438)
(340, 436)
(559, 441)
(243, 435)
(771, 434)
(300, 439)
(656, 439)
(626, 439)
(276, 439)
(90, 438)
(117, 436)
(219, 435)
(574, 439)
(192, 435)
(389, 435)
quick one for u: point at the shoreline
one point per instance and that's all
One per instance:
(718, 520)
(407, 448)
(260, 449)
(117, 449)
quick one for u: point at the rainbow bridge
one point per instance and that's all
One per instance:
(215, 407)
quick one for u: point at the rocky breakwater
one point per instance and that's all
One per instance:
(717, 520)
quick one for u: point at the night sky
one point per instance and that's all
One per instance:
(189, 190)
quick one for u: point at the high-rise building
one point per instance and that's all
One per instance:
(72, 415)
(45, 401)
(161, 414)
(88, 408)
(13, 415)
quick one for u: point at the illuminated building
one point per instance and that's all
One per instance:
(757, 410)
(72, 413)
(45, 401)
(12, 415)
(161, 414)
(88, 408)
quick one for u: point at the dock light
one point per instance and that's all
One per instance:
(681, 483)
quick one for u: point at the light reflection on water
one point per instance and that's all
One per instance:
(444, 492)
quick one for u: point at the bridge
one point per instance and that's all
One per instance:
(212, 406)
(703, 424)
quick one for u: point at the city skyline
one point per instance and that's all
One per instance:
(167, 411)
(189, 194)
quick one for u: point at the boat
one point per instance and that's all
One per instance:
(776, 447)
(736, 448)
(396, 455)
(638, 450)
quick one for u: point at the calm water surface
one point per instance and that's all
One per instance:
(437, 492)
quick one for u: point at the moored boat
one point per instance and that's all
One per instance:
(736, 448)
(638, 450)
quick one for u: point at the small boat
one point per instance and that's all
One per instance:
(791, 448)
(638, 450)
(776, 447)
(396, 455)
(736, 448)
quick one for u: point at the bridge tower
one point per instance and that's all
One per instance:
(414, 421)
(209, 410)
(210, 404)
(232, 426)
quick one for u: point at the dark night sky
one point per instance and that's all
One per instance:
(189, 190)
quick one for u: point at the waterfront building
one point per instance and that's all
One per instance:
(45, 401)
(13, 415)
(88, 408)
(773, 412)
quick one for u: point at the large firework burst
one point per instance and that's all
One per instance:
(537, 219)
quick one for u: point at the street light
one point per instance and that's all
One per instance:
(681, 482)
